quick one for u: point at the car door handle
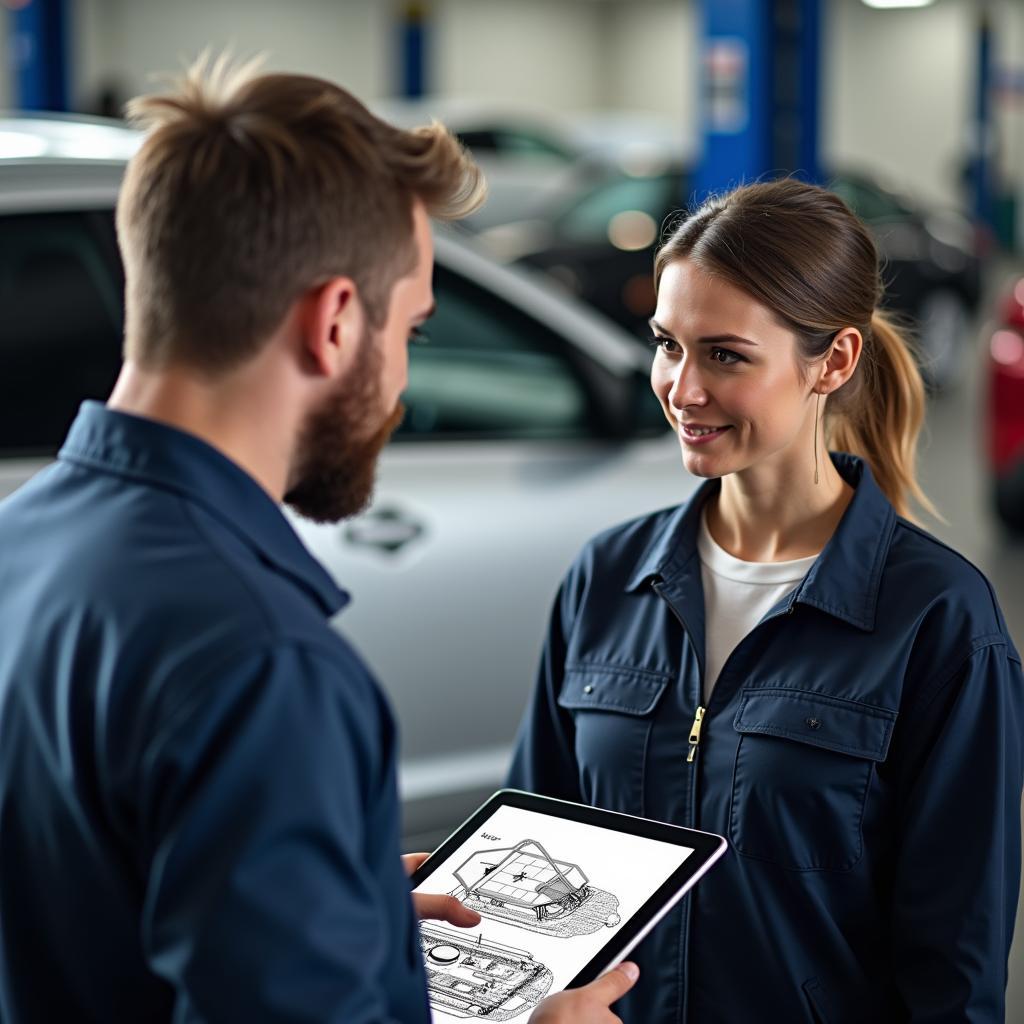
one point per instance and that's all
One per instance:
(387, 529)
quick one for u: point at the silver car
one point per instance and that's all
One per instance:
(530, 426)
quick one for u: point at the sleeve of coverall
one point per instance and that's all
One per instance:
(959, 851)
(544, 760)
(259, 904)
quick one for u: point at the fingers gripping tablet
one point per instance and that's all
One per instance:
(563, 892)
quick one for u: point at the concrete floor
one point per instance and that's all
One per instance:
(953, 471)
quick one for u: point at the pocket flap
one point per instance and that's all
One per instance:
(832, 723)
(610, 688)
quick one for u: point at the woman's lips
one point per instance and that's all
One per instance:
(695, 434)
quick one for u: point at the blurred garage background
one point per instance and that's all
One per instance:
(529, 425)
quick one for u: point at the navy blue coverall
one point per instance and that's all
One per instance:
(861, 751)
(198, 811)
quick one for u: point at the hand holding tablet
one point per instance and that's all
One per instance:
(591, 1003)
(563, 892)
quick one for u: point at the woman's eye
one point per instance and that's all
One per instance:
(665, 344)
(418, 337)
(726, 357)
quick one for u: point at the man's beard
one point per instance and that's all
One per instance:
(335, 462)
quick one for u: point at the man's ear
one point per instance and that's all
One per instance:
(332, 323)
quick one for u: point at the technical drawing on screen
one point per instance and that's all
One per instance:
(563, 893)
(524, 886)
(470, 976)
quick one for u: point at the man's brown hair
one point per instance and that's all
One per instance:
(250, 189)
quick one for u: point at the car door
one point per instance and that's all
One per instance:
(60, 336)
(500, 473)
(496, 480)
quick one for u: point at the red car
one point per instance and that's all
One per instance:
(1006, 409)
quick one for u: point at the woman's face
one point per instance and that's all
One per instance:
(728, 379)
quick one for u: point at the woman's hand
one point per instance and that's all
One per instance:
(588, 1005)
(438, 908)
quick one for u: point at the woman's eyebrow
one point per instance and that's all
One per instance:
(713, 339)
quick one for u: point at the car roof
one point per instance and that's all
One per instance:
(39, 137)
(56, 162)
(463, 113)
(53, 162)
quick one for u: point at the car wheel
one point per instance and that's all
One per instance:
(1009, 499)
(944, 325)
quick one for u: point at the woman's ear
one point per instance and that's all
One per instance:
(332, 326)
(841, 360)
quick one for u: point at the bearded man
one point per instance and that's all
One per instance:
(198, 810)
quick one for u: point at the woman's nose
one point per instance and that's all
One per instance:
(687, 388)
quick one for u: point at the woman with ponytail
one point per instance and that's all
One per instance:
(788, 659)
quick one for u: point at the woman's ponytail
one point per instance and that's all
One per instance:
(882, 416)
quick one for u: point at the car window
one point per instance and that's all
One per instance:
(523, 143)
(512, 142)
(60, 293)
(589, 218)
(480, 140)
(869, 203)
(490, 371)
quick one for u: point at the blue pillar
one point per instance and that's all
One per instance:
(760, 85)
(39, 45)
(413, 50)
(802, 35)
(984, 128)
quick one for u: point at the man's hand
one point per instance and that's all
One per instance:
(438, 908)
(588, 1005)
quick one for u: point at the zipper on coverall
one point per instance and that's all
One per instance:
(695, 735)
(691, 757)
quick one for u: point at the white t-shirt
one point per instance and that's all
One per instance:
(737, 595)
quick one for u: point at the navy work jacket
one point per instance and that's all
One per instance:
(198, 809)
(861, 751)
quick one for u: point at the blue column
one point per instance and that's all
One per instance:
(413, 50)
(801, 36)
(984, 127)
(760, 84)
(39, 45)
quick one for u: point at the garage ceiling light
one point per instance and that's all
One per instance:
(889, 4)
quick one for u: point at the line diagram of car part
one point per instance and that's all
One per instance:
(525, 886)
(475, 977)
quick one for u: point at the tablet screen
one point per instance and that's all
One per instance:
(552, 892)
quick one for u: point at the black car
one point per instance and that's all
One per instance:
(600, 246)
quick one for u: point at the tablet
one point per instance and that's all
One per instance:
(564, 892)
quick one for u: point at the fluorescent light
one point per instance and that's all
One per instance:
(891, 4)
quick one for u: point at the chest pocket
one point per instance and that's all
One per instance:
(804, 764)
(613, 710)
